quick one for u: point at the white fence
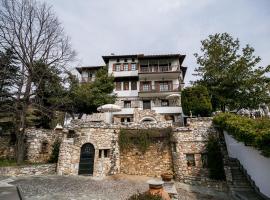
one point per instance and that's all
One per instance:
(257, 166)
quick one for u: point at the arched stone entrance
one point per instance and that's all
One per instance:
(87, 158)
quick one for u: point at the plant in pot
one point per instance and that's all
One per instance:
(167, 176)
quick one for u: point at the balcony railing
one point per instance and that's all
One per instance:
(87, 79)
(158, 69)
(159, 88)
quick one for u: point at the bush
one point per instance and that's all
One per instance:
(55, 152)
(141, 138)
(144, 196)
(253, 132)
(196, 99)
(215, 159)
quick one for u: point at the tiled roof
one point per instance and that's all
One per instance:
(142, 56)
(79, 69)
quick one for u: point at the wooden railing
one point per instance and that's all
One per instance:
(158, 69)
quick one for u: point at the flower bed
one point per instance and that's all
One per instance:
(253, 132)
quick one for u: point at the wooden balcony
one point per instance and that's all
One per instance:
(159, 69)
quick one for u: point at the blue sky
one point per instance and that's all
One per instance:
(101, 27)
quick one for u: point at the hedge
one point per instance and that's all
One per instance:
(253, 132)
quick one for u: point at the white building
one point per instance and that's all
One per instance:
(144, 82)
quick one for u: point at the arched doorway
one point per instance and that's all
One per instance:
(87, 157)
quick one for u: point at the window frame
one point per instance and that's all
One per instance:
(190, 162)
(133, 66)
(127, 103)
(125, 67)
(134, 83)
(117, 67)
(118, 86)
(126, 85)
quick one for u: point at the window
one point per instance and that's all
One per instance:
(90, 75)
(105, 152)
(133, 67)
(163, 86)
(146, 104)
(122, 119)
(190, 160)
(118, 67)
(164, 103)
(125, 60)
(133, 59)
(134, 85)
(100, 153)
(117, 86)
(118, 60)
(44, 147)
(146, 87)
(127, 104)
(71, 134)
(125, 67)
(126, 85)
(204, 158)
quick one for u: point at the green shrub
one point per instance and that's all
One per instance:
(215, 159)
(253, 132)
(141, 138)
(196, 99)
(144, 196)
(55, 152)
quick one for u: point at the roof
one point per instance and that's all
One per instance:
(142, 56)
(80, 69)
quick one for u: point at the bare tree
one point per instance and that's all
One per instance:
(33, 32)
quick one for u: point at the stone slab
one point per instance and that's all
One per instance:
(9, 193)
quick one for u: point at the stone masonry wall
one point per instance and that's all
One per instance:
(155, 161)
(100, 138)
(193, 140)
(39, 143)
(6, 149)
(43, 169)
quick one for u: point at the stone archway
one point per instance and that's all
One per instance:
(87, 157)
(148, 119)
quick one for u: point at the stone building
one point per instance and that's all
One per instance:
(93, 149)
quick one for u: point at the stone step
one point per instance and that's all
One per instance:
(247, 195)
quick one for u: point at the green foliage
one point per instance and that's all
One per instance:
(215, 159)
(232, 78)
(196, 99)
(254, 132)
(55, 152)
(88, 96)
(145, 196)
(141, 138)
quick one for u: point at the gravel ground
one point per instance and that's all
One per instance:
(77, 187)
(82, 188)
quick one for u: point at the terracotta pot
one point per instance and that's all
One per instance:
(167, 177)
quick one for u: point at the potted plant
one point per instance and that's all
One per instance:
(167, 176)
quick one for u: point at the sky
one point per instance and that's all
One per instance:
(102, 27)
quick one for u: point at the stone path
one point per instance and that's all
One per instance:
(8, 191)
(118, 187)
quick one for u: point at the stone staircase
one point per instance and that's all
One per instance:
(241, 188)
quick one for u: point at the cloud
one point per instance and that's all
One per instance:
(100, 27)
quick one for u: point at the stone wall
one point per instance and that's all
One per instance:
(192, 140)
(155, 161)
(39, 144)
(100, 138)
(43, 169)
(7, 151)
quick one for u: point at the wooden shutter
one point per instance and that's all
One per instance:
(122, 67)
(157, 86)
(113, 67)
(129, 66)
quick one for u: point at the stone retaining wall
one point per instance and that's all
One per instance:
(155, 161)
(192, 140)
(38, 169)
(6, 149)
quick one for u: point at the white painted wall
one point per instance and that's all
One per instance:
(257, 166)
(168, 109)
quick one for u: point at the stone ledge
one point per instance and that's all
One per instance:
(38, 169)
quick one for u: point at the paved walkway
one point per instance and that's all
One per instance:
(118, 187)
(8, 191)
